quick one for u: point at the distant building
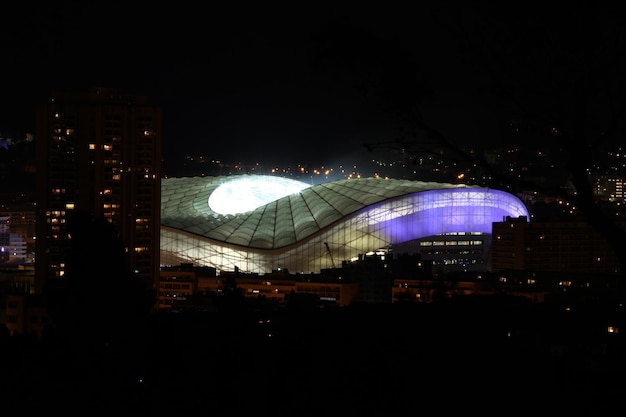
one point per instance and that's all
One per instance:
(332, 292)
(558, 247)
(22, 222)
(98, 152)
(610, 188)
(261, 223)
(183, 286)
(13, 248)
(177, 283)
(26, 314)
(371, 280)
(427, 291)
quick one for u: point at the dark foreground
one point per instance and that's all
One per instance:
(484, 357)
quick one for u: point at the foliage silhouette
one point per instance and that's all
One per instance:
(552, 80)
(100, 314)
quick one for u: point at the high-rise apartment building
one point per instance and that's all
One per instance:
(98, 152)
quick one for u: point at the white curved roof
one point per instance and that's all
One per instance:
(278, 218)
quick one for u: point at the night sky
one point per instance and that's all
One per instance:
(234, 82)
(249, 82)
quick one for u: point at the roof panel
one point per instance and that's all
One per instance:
(283, 221)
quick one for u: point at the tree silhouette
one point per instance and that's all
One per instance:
(100, 312)
(553, 79)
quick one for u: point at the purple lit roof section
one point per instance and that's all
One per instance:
(443, 211)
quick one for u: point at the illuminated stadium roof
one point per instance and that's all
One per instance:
(260, 223)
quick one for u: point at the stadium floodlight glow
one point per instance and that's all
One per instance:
(245, 193)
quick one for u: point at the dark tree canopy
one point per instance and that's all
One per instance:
(548, 79)
(101, 298)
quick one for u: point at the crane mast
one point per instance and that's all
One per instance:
(330, 254)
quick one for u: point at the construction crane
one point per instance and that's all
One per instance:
(330, 254)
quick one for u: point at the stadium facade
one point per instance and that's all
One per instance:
(259, 224)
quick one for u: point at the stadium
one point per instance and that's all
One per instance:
(259, 224)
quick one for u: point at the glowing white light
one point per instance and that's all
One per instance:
(243, 194)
